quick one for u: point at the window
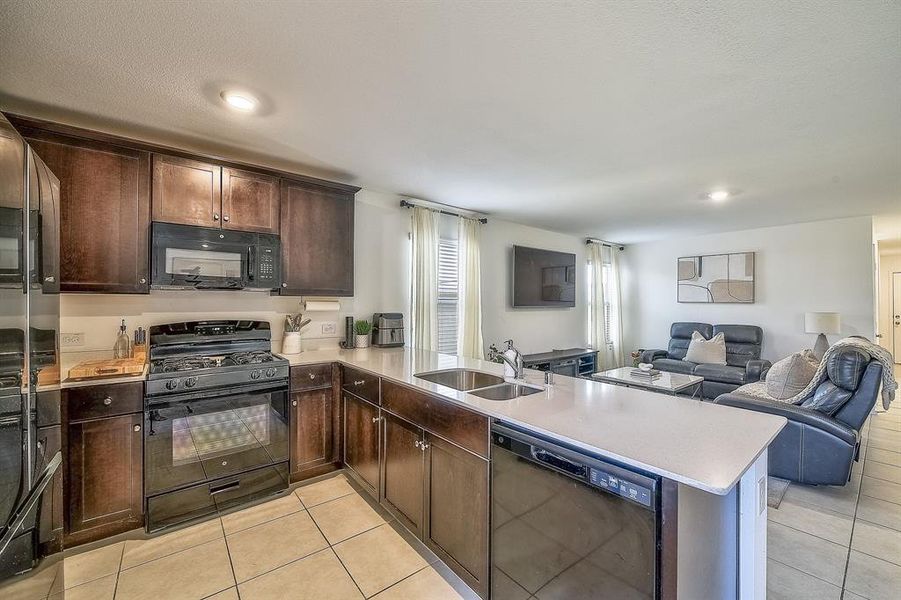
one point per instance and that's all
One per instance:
(606, 274)
(448, 295)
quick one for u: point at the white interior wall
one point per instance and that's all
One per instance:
(818, 266)
(381, 284)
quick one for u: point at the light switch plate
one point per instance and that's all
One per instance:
(68, 340)
(329, 328)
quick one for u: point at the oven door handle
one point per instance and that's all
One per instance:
(268, 387)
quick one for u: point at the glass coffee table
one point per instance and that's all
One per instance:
(668, 383)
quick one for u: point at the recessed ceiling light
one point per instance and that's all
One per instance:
(718, 195)
(240, 101)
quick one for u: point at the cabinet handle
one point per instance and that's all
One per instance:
(376, 419)
(423, 446)
(50, 279)
(293, 402)
(137, 428)
(361, 382)
(215, 216)
(142, 280)
(107, 401)
(416, 443)
(284, 285)
(225, 218)
(312, 376)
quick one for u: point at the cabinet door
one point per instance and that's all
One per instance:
(457, 510)
(361, 441)
(403, 471)
(312, 431)
(249, 201)
(104, 203)
(186, 191)
(317, 235)
(104, 472)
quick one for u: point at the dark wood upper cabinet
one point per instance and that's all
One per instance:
(317, 235)
(250, 201)
(104, 212)
(104, 470)
(361, 441)
(403, 471)
(186, 191)
(456, 527)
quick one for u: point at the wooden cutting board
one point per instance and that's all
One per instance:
(108, 367)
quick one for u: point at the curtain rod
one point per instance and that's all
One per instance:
(605, 243)
(408, 204)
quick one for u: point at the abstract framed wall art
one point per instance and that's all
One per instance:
(716, 278)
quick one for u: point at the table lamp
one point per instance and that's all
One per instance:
(822, 323)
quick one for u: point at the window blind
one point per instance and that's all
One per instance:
(448, 295)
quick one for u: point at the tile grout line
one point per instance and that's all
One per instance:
(863, 466)
(228, 553)
(118, 572)
(332, 548)
(402, 579)
(776, 560)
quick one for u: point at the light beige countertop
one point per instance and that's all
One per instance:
(700, 444)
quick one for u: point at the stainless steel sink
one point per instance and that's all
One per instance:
(461, 379)
(507, 391)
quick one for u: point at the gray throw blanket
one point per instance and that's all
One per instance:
(889, 385)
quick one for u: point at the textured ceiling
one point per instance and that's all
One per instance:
(609, 119)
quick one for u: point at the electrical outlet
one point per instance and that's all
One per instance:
(329, 328)
(67, 340)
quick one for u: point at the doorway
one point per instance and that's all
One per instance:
(896, 316)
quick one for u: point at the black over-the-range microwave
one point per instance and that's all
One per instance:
(185, 256)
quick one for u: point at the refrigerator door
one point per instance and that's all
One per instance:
(30, 456)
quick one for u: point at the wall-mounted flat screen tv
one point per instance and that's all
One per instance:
(543, 278)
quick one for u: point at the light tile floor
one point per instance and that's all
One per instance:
(843, 542)
(323, 541)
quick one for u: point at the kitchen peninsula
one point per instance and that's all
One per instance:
(713, 459)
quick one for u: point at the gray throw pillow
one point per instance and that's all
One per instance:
(706, 352)
(787, 377)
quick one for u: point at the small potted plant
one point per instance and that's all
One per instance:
(362, 328)
(293, 325)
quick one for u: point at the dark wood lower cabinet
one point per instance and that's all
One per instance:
(361, 441)
(313, 444)
(103, 477)
(403, 471)
(456, 512)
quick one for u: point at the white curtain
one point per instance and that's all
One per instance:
(606, 329)
(425, 279)
(469, 333)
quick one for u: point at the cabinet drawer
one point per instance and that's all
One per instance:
(463, 427)
(362, 384)
(309, 377)
(197, 501)
(98, 401)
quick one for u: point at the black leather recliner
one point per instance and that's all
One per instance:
(819, 446)
(743, 363)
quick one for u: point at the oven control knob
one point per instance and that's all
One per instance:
(256, 374)
(172, 384)
(190, 382)
(270, 372)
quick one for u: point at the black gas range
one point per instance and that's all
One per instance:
(203, 356)
(215, 420)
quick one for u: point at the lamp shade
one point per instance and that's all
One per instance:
(822, 322)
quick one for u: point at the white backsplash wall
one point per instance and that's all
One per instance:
(817, 266)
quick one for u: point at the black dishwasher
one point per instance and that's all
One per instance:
(567, 525)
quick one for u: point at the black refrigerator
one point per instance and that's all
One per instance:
(31, 490)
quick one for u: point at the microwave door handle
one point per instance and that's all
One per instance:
(250, 263)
